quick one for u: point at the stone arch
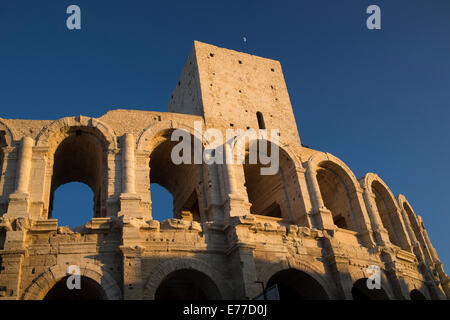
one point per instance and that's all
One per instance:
(337, 188)
(361, 292)
(385, 208)
(88, 140)
(164, 269)
(145, 141)
(302, 266)
(246, 140)
(410, 214)
(416, 294)
(54, 133)
(412, 221)
(8, 133)
(188, 198)
(43, 283)
(279, 193)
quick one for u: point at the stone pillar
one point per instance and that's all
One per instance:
(229, 172)
(24, 165)
(19, 201)
(395, 275)
(129, 200)
(241, 259)
(431, 249)
(133, 285)
(236, 198)
(213, 195)
(415, 246)
(361, 217)
(338, 263)
(380, 233)
(10, 274)
(321, 216)
(128, 164)
(302, 203)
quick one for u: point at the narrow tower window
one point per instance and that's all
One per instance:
(261, 122)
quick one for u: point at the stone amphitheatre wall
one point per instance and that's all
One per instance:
(313, 228)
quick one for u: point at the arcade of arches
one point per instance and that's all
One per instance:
(231, 225)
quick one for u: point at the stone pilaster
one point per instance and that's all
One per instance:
(132, 272)
(10, 273)
(242, 262)
(338, 264)
(380, 233)
(19, 201)
(321, 217)
(129, 199)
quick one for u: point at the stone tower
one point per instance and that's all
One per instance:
(313, 228)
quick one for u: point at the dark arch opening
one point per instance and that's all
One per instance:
(261, 123)
(333, 184)
(275, 195)
(416, 229)
(187, 284)
(387, 210)
(412, 221)
(89, 290)
(80, 158)
(180, 180)
(417, 295)
(360, 291)
(297, 285)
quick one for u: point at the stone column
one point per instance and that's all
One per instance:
(338, 262)
(236, 198)
(128, 164)
(321, 216)
(300, 206)
(133, 285)
(380, 233)
(229, 172)
(24, 165)
(241, 259)
(10, 276)
(129, 200)
(19, 201)
(361, 217)
(429, 245)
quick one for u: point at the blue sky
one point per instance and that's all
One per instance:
(377, 99)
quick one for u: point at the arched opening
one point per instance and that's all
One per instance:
(187, 284)
(417, 295)
(360, 291)
(89, 290)
(274, 195)
(416, 229)
(180, 180)
(294, 284)
(388, 213)
(334, 187)
(73, 204)
(261, 123)
(80, 158)
(162, 203)
(412, 220)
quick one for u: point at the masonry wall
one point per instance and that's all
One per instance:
(230, 248)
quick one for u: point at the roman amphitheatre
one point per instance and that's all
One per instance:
(313, 229)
